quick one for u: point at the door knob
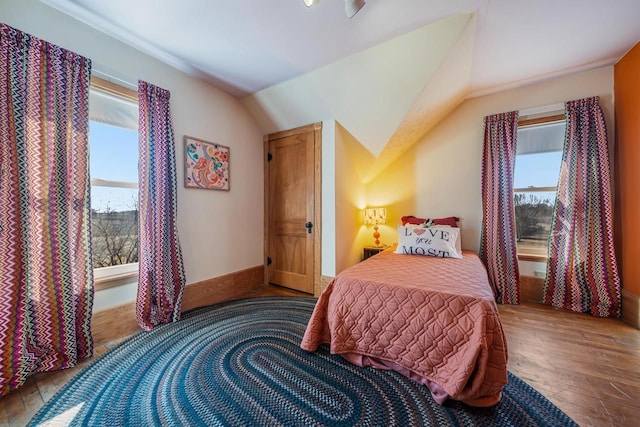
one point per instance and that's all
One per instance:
(309, 226)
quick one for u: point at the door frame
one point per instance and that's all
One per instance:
(316, 128)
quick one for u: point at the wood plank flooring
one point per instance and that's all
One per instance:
(588, 367)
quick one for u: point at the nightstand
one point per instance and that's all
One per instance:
(370, 251)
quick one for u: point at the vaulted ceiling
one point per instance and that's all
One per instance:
(389, 74)
(387, 96)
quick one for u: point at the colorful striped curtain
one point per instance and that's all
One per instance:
(498, 237)
(582, 274)
(161, 275)
(46, 273)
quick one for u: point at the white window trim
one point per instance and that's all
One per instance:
(112, 271)
(540, 116)
(115, 275)
(97, 182)
(534, 189)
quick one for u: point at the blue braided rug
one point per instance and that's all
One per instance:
(239, 363)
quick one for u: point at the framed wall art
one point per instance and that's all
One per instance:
(206, 165)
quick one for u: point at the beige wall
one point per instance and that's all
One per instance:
(440, 176)
(344, 163)
(352, 161)
(328, 240)
(220, 232)
(396, 190)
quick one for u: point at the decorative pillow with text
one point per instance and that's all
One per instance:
(437, 242)
(458, 240)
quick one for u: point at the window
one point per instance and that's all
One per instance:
(538, 159)
(113, 140)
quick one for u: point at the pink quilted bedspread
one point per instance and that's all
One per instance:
(432, 319)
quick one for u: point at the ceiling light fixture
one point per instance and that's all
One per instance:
(351, 7)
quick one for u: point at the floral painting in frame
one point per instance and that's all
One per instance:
(206, 165)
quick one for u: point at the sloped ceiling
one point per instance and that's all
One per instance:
(387, 96)
(243, 47)
(388, 75)
(443, 91)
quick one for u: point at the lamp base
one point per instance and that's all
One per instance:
(376, 235)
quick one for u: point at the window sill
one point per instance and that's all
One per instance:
(115, 280)
(532, 257)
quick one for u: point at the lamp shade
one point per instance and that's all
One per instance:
(375, 216)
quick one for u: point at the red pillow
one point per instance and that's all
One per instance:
(450, 220)
(412, 220)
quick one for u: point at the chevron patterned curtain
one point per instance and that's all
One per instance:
(161, 277)
(582, 273)
(498, 237)
(46, 274)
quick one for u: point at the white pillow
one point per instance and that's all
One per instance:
(458, 240)
(437, 242)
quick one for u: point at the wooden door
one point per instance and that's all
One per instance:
(290, 207)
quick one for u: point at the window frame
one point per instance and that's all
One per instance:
(115, 275)
(532, 254)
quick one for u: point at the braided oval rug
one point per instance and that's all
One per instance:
(239, 363)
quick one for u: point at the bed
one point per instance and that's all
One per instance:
(432, 319)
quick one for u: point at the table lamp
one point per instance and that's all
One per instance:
(375, 216)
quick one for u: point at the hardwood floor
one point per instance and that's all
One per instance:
(588, 367)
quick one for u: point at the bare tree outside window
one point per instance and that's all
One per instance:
(533, 219)
(114, 235)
